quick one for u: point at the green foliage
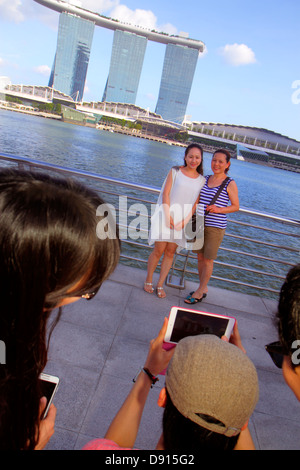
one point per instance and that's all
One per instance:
(121, 122)
(13, 99)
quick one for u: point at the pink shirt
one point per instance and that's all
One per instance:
(103, 444)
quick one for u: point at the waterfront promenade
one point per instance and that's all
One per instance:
(98, 346)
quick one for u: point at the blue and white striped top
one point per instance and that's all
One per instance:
(206, 195)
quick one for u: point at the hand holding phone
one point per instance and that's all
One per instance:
(49, 385)
(158, 358)
(46, 426)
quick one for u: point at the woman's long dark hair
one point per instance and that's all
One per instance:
(182, 434)
(48, 243)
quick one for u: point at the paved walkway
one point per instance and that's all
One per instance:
(98, 346)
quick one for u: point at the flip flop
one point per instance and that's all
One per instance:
(193, 300)
(191, 295)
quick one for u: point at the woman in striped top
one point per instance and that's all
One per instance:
(215, 219)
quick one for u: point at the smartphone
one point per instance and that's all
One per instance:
(49, 384)
(187, 322)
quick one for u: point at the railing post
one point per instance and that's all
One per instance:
(175, 281)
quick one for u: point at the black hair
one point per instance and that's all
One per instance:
(48, 243)
(288, 312)
(180, 433)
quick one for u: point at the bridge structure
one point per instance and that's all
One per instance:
(263, 151)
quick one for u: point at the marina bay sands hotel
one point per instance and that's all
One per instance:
(74, 41)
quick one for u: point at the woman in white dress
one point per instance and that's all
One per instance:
(175, 206)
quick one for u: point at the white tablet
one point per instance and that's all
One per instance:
(187, 322)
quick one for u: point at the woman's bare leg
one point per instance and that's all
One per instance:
(153, 260)
(165, 267)
(205, 270)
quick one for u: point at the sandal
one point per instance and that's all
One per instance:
(193, 300)
(150, 286)
(160, 292)
(191, 296)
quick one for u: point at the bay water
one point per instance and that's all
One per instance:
(142, 161)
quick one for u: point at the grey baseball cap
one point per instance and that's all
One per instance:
(213, 383)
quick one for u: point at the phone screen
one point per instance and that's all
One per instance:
(191, 324)
(47, 389)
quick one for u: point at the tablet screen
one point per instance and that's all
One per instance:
(191, 324)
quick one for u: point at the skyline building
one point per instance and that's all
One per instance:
(74, 41)
(176, 82)
(128, 50)
(126, 64)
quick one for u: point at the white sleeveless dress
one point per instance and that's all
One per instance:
(183, 195)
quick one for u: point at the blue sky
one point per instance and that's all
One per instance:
(249, 74)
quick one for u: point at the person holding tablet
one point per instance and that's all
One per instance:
(211, 390)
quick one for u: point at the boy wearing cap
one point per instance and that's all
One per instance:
(211, 391)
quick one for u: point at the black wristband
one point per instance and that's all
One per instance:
(151, 376)
(147, 372)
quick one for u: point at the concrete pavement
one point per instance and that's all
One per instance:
(99, 345)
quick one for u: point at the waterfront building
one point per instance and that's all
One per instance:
(176, 82)
(71, 60)
(126, 64)
(127, 60)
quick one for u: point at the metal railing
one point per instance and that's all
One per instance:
(253, 258)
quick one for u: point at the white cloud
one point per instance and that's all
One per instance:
(21, 10)
(18, 11)
(203, 54)
(11, 10)
(43, 70)
(167, 28)
(99, 6)
(238, 54)
(144, 18)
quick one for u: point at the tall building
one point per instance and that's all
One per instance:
(74, 41)
(76, 27)
(176, 82)
(126, 64)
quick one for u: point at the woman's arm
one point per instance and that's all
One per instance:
(124, 427)
(245, 441)
(46, 426)
(180, 225)
(166, 200)
(232, 191)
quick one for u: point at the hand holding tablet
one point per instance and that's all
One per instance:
(187, 322)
